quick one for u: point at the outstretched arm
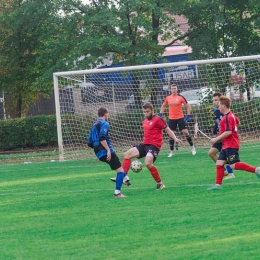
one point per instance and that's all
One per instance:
(172, 135)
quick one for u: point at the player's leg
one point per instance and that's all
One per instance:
(128, 155)
(134, 152)
(229, 174)
(221, 161)
(231, 156)
(184, 130)
(115, 164)
(219, 175)
(172, 126)
(119, 181)
(151, 155)
(212, 153)
(234, 162)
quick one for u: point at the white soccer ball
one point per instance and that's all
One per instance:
(136, 166)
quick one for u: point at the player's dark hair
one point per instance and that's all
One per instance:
(217, 94)
(102, 111)
(174, 85)
(148, 105)
(223, 100)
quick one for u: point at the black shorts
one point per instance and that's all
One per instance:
(147, 148)
(173, 123)
(114, 163)
(230, 155)
(218, 146)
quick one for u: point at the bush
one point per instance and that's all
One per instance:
(29, 132)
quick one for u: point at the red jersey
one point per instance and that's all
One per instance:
(175, 103)
(153, 133)
(229, 122)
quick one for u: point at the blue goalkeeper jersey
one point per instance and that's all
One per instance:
(98, 133)
(217, 118)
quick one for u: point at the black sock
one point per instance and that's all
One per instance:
(171, 144)
(188, 138)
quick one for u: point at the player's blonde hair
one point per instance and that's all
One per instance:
(223, 100)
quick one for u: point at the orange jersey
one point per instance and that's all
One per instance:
(175, 103)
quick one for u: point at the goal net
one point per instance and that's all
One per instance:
(123, 90)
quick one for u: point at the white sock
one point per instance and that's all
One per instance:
(126, 178)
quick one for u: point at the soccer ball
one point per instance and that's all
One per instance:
(136, 166)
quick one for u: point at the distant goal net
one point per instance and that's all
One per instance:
(123, 90)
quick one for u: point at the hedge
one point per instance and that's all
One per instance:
(28, 132)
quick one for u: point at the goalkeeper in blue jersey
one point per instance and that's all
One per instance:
(216, 147)
(99, 140)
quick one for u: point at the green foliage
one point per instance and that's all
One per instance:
(244, 110)
(222, 28)
(29, 132)
(24, 31)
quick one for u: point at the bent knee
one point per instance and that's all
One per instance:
(149, 165)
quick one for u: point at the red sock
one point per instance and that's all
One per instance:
(220, 174)
(244, 167)
(126, 165)
(154, 172)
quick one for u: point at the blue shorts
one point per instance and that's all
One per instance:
(230, 155)
(144, 149)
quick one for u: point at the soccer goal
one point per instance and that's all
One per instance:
(123, 90)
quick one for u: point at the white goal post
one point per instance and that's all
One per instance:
(79, 94)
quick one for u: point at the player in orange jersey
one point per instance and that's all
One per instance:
(176, 116)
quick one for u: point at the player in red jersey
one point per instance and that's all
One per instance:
(151, 145)
(176, 116)
(230, 144)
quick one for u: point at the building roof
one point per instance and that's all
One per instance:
(181, 23)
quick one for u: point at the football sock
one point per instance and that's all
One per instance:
(171, 144)
(244, 167)
(229, 169)
(189, 140)
(154, 172)
(126, 178)
(126, 165)
(117, 192)
(119, 180)
(220, 174)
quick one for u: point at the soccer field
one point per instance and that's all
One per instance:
(66, 210)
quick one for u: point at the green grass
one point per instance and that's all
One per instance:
(66, 210)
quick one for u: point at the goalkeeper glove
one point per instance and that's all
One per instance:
(187, 118)
(160, 115)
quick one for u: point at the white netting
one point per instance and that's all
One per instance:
(123, 90)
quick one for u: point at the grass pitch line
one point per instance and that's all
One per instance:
(125, 189)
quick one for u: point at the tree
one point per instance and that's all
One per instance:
(23, 25)
(221, 29)
(122, 30)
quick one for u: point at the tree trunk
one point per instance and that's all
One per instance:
(19, 107)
